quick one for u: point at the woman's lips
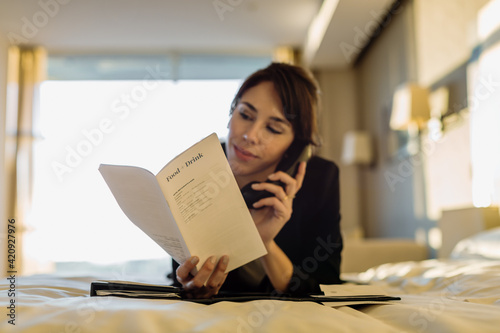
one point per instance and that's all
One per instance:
(243, 154)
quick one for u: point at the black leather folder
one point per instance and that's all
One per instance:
(133, 290)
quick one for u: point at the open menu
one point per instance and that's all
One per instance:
(193, 206)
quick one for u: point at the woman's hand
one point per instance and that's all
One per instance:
(276, 210)
(207, 281)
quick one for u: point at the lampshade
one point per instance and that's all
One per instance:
(357, 148)
(410, 105)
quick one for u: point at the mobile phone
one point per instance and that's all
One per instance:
(295, 154)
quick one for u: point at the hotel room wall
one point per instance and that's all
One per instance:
(359, 99)
(392, 193)
(445, 37)
(427, 42)
(445, 33)
(338, 115)
(3, 92)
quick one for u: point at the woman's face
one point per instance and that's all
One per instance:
(259, 134)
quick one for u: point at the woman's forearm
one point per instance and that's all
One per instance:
(278, 267)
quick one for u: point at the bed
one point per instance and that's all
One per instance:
(456, 294)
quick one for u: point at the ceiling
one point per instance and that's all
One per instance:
(200, 26)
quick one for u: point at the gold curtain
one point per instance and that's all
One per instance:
(26, 71)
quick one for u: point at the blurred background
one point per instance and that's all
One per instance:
(410, 112)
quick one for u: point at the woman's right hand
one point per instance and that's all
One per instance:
(207, 281)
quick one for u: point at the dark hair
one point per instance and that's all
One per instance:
(299, 95)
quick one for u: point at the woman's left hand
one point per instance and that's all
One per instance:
(272, 213)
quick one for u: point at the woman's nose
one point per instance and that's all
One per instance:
(252, 134)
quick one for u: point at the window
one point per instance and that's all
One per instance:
(484, 99)
(145, 123)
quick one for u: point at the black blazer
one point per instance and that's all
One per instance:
(311, 238)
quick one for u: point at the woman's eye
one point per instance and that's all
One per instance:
(273, 130)
(244, 115)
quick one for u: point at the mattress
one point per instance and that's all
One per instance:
(440, 295)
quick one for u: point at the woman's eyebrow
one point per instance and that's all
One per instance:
(277, 119)
(253, 108)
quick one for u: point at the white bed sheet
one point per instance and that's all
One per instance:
(437, 296)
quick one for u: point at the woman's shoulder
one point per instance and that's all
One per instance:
(322, 165)
(319, 191)
(320, 172)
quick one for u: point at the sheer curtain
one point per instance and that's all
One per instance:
(484, 105)
(485, 129)
(26, 71)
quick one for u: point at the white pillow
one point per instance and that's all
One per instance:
(484, 245)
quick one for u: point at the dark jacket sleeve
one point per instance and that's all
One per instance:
(312, 238)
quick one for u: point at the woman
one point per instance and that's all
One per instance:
(273, 112)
